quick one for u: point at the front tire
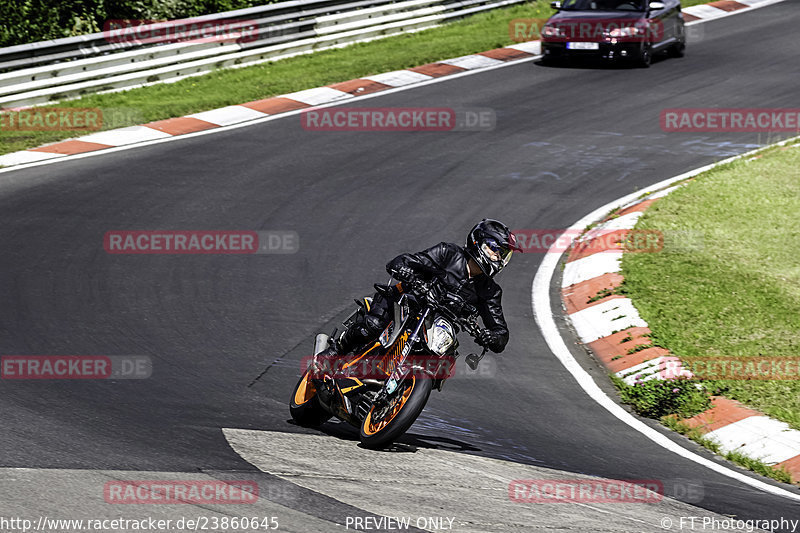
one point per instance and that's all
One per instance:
(401, 413)
(645, 56)
(549, 61)
(304, 405)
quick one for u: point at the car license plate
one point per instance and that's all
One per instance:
(583, 46)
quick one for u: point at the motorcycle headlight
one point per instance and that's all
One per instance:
(440, 336)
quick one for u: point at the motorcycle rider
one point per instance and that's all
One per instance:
(467, 271)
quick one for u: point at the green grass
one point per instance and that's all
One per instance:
(477, 33)
(738, 293)
(687, 3)
(656, 398)
(691, 433)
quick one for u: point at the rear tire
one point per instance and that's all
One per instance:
(377, 434)
(304, 405)
(677, 50)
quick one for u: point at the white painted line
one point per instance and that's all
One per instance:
(661, 194)
(624, 222)
(760, 437)
(26, 156)
(532, 47)
(123, 136)
(590, 267)
(232, 114)
(543, 315)
(472, 61)
(605, 318)
(318, 95)
(704, 11)
(399, 78)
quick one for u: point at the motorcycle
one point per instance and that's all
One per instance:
(383, 386)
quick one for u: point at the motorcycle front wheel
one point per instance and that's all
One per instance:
(383, 425)
(304, 405)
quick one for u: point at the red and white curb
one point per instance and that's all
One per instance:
(610, 326)
(259, 109)
(721, 8)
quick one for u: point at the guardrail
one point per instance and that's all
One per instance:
(49, 71)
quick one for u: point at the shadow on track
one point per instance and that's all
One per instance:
(408, 443)
(597, 64)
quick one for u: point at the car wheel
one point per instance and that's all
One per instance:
(549, 61)
(677, 50)
(645, 56)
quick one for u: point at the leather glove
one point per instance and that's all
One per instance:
(486, 338)
(469, 310)
(437, 288)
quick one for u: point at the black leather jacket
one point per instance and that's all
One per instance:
(448, 262)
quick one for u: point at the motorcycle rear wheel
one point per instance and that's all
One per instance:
(402, 412)
(304, 405)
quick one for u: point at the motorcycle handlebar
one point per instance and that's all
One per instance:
(434, 298)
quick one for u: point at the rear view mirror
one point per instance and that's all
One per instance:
(473, 359)
(657, 5)
(555, 5)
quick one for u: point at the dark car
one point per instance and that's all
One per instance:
(624, 30)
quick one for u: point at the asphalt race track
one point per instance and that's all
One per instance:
(566, 141)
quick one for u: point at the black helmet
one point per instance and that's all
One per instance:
(490, 244)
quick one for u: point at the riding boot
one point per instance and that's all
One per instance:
(353, 337)
(367, 328)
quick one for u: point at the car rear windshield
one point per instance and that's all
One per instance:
(604, 5)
